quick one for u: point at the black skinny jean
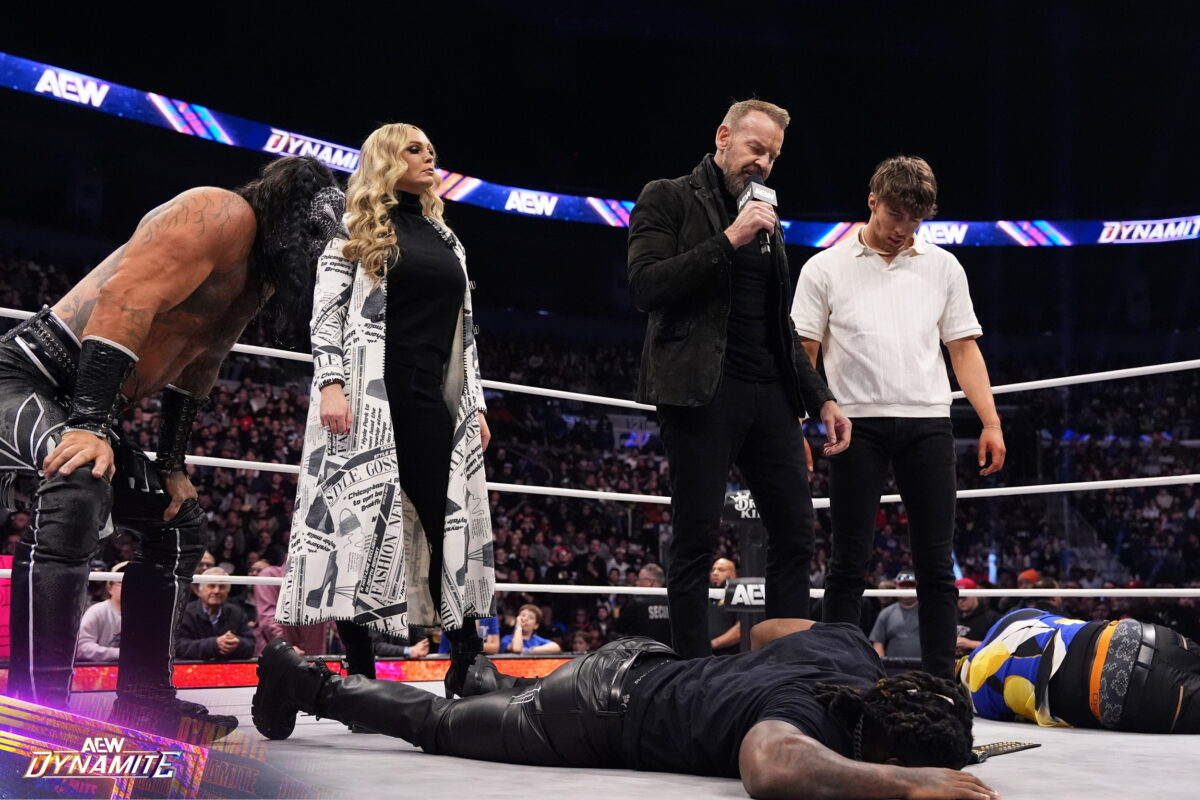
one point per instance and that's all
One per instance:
(51, 564)
(751, 425)
(921, 453)
(424, 430)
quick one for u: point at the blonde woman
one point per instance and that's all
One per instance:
(391, 527)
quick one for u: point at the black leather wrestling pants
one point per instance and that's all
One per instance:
(573, 717)
(69, 513)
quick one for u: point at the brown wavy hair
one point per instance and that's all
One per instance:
(906, 183)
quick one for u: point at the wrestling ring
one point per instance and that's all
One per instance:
(325, 757)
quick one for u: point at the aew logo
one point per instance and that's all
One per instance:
(1150, 230)
(76, 88)
(293, 144)
(747, 593)
(102, 757)
(943, 232)
(535, 203)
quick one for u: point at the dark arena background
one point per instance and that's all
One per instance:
(1063, 136)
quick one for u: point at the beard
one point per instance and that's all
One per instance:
(736, 180)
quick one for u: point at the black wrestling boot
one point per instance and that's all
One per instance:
(173, 718)
(287, 684)
(483, 677)
(465, 645)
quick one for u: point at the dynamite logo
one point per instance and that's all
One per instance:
(102, 757)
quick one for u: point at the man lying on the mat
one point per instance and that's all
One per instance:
(1124, 675)
(807, 712)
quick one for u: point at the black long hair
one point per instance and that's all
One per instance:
(286, 245)
(923, 720)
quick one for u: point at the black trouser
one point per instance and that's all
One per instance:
(921, 452)
(751, 425)
(570, 718)
(424, 432)
(1164, 689)
(51, 564)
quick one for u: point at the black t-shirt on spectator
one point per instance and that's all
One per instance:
(691, 716)
(976, 625)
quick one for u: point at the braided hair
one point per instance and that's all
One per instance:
(286, 242)
(923, 720)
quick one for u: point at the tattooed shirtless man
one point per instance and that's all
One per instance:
(157, 316)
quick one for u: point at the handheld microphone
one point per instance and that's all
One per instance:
(757, 190)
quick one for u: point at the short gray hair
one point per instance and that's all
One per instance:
(741, 108)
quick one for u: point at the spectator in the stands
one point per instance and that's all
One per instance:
(975, 618)
(100, 629)
(211, 628)
(524, 639)
(897, 633)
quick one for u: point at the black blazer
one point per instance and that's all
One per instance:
(679, 271)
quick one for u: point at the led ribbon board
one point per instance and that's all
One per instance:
(193, 119)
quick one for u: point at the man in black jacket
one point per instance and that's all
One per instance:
(720, 362)
(212, 629)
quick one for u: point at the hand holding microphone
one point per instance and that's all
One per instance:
(756, 216)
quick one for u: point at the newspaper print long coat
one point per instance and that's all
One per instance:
(358, 550)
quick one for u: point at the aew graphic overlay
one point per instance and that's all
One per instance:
(103, 757)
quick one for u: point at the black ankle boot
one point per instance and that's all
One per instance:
(465, 645)
(483, 677)
(287, 684)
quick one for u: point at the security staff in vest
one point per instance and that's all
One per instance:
(646, 615)
(724, 366)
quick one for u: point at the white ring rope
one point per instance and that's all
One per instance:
(1049, 383)
(715, 594)
(1003, 491)
(818, 502)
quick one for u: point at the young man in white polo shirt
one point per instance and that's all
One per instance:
(879, 304)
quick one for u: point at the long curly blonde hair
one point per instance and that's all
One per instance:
(370, 195)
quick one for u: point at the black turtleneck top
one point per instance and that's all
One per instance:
(753, 351)
(424, 292)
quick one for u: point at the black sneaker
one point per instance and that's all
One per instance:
(283, 676)
(173, 718)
